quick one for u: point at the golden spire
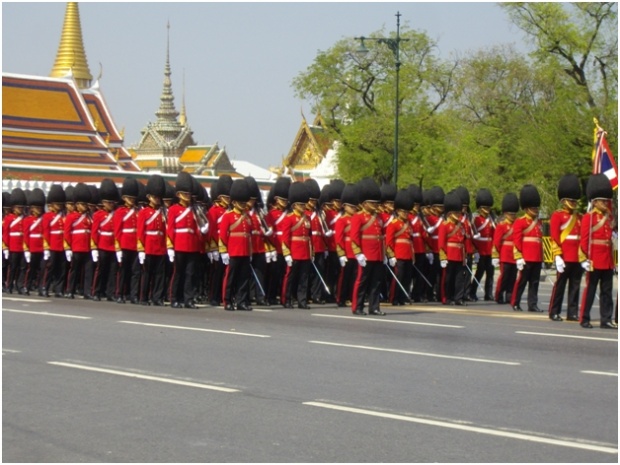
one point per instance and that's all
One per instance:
(71, 57)
(183, 116)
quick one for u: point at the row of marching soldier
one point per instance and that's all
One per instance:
(349, 244)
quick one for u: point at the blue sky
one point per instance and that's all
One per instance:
(239, 59)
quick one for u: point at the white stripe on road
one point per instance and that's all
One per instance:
(9, 351)
(603, 373)
(146, 377)
(46, 314)
(383, 320)
(189, 328)
(574, 443)
(568, 335)
(410, 352)
(25, 299)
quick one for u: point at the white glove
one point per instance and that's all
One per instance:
(477, 236)
(343, 260)
(95, 254)
(6, 254)
(205, 229)
(267, 257)
(476, 257)
(274, 256)
(171, 255)
(269, 232)
(141, 257)
(46, 255)
(329, 233)
(69, 255)
(289, 260)
(495, 262)
(210, 256)
(216, 256)
(27, 256)
(119, 256)
(430, 257)
(225, 258)
(392, 262)
(586, 265)
(326, 254)
(361, 259)
(559, 264)
(520, 264)
(443, 263)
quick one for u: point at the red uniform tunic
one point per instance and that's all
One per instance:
(33, 234)
(331, 218)
(275, 218)
(125, 228)
(343, 237)
(318, 237)
(433, 234)
(214, 215)
(235, 234)
(296, 234)
(503, 241)
(367, 236)
(151, 231)
(469, 234)
(259, 240)
(527, 236)
(485, 228)
(53, 231)
(596, 243)
(77, 232)
(102, 233)
(182, 229)
(399, 239)
(565, 230)
(418, 233)
(13, 233)
(452, 241)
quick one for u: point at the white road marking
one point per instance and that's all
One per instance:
(146, 377)
(574, 443)
(383, 320)
(10, 351)
(424, 354)
(46, 314)
(603, 373)
(568, 336)
(189, 328)
(25, 299)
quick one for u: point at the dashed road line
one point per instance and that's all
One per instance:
(602, 373)
(10, 351)
(190, 328)
(62, 315)
(591, 338)
(25, 299)
(383, 320)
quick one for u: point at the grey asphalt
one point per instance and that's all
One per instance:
(102, 382)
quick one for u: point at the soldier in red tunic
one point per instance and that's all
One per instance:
(77, 241)
(503, 249)
(347, 261)
(368, 246)
(528, 250)
(220, 193)
(320, 233)
(597, 252)
(53, 242)
(235, 247)
(126, 243)
(331, 205)
(452, 244)
(565, 228)
(420, 247)
(275, 217)
(484, 229)
(6, 209)
(399, 247)
(102, 235)
(33, 242)
(434, 219)
(13, 242)
(152, 243)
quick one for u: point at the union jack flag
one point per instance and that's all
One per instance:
(602, 158)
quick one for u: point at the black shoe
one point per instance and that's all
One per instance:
(58, 295)
(304, 306)
(449, 302)
(609, 325)
(69, 296)
(472, 298)
(214, 303)
(262, 302)
(555, 317)
(244, 307)
(145, 303)
(134, 301)
(341, 304)
(572, 318)
(109, 299)
(319, 302)
(158, 303)
(229, 307)
(377, 312)
(23, 291)
(359, 312)
(287, 305)
(176, 305)
(461, 303)
(88, 297)
(120, 300)
(586, 325)
(517, 308)
(488, 298)
(190, 305)
(97, 298)
(500, 302)
(534, 309)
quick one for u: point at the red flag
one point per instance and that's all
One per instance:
(603, 160)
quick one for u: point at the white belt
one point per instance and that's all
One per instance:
(106, 233)
(80, 231)
(16, 234)
(416, 234)
(484, 239)
(154, 233)
(185, 230)
(56, 232)
(36, 235)
(435, 237)
(279, 233)
(316, 233)
(572, 237)
(130, 230)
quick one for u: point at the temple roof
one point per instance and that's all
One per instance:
(310, 145)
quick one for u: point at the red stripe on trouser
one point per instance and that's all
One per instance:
(442, 287)
(360, 270)
(513, 298)
(173, 298)
(284, 283)
(224, 282)
(553, 291)
(584, 298)
(393, 291)
(498, 285)
(339, 288)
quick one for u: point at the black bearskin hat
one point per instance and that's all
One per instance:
(529, 197)
(240, 191)
(156, 186)
(37, 198)
(351, 195)
(463, 193)
(324, 197)
(453, 202)
(130, 188)
(169, 193)
(569, 187)
(388, 192)
(224, 183)
(6, 200)
(183, 182)
(415, 192)
(298, 193)
(510, 203)
(599, 187)
(18, 198)
(56, 194)
(69, 194)
(281, 187)
(369, 190)
(81, 193)
(95, 198)
(436, 196)
(484, 198)
(108, 190)
(403, 200)
(313, 188)
(336, 186)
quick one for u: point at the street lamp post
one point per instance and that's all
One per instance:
(394, 45)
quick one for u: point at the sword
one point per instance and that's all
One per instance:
(423, 277)
(320, 277)
(258, 282)
(472, 274)
(399, 283)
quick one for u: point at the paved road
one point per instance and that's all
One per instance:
(86, 381)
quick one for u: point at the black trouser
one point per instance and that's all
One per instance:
(530, 276)
(404, 273)
(128, 277)
(55, 275)
(505, 282)
(606, 280)
(368, 285)
(200, 276)
(275, 274)
(236, 283)
(571, 275)
(215, 284)
(152, 285)
(346, 281)
(295, 283)
(16, 271)
(35, 271)
(5, 265)
(182, 284)
(332, 275)
(485, 268)
(78, 269)
(434, 278)
(421, 269)
(316, 289)
(453, 282)
(259, 264)
(104, 281)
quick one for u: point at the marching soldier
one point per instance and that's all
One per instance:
(13, 242)
(220, 193)
(102, 236)
(367, 245)
(168, 200)
(434, 219)
(503, 253)
(565, 230)
(275, 218)
(33, 242)
(452, 242)
(347, 261)
(419, 237)
(126, 243)
(331, 205)
(6, 209)
(53, 242)
(77, 234)
(528, 251)
(296, 248)
(235, 248)
(320, 233)
(399, 247)
(484, 229)
(597, 252)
